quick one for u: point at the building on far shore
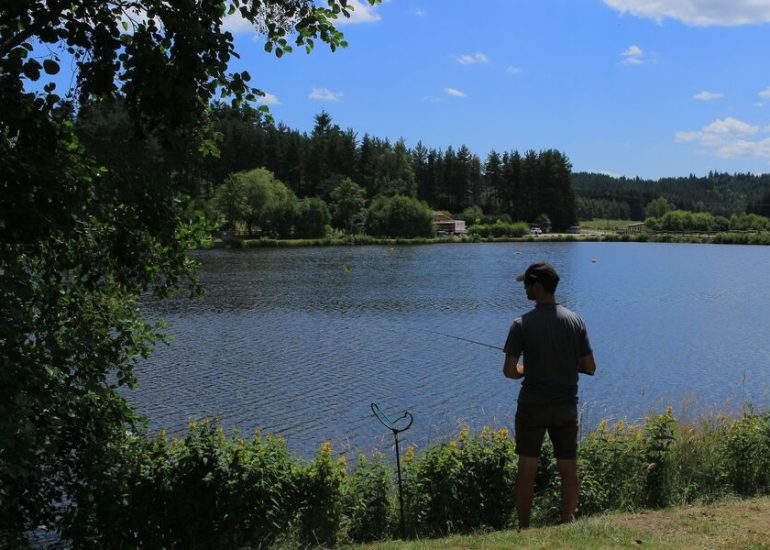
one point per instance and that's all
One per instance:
(447, 226)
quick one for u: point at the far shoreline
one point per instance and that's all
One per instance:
(743, 238)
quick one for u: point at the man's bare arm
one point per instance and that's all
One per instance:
(587, 365)
(512, 368)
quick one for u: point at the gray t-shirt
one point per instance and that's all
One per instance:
(552, 339)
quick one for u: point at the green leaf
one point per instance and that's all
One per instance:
(31, 70)
(125, 25)
(50, 66)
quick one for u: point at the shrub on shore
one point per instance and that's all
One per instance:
(210, 490)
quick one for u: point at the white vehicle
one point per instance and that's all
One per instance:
(536, 231)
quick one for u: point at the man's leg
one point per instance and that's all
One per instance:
(569, 488)
(525, 488)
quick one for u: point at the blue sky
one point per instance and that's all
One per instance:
(648, 88)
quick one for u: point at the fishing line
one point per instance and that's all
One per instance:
(459, 338)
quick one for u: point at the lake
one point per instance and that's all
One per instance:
(300, 341)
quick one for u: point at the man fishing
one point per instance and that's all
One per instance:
(555, 346)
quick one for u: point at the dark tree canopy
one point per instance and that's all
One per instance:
(84, 232)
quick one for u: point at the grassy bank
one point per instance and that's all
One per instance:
(730, 523)
(753, 238)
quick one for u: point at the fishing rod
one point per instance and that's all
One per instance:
(480, 344)
(460, 338)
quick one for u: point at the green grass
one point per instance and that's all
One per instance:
(606, 225)
(731, 523)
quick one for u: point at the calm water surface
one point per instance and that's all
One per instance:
(301, 341)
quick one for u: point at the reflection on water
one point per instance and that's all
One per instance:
(301, 341)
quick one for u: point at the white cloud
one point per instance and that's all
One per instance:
(708, 96)
(609, 173)
(512, 70)
(765, 93)
(729, 138)
(731, 126)
(359, 13)
(699, 13)
(268, 99)
(325, 94)
(237, 24)
(633, 55)
(419, 12)
(744, 148)
(471, 59)
(455, 92)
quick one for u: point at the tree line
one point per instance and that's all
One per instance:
(719, 194)
(519, 186)
(348, 173)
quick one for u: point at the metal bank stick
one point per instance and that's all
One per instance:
(391, 425)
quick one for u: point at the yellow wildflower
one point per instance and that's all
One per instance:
(410, 453)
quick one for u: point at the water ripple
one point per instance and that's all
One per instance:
(289, 341)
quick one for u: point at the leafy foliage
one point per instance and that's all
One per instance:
(681, 220)
(461, 485)
(369, 500)
(399, 216)
(84, 231)
(499, 230)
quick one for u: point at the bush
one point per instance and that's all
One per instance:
(746, 454)
(461, 485)
(313, 218)
(660, 435)
(611, 469)
(209, 490)
(321, 513)
(399, 216)
(499, 229)
(369, 500)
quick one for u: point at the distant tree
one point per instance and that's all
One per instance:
(252, 197)
(277, 208)
(761, 206)
(399, 217)
(313, 218)
(318, 162)
(472, 214)
(658, 207)
(543, 221)
(347, 203)
(230, 201)
(366, 167)
(394, 174)
(493, 172)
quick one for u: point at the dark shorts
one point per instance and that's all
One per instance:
(561, 422)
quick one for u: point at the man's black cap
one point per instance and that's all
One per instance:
(539, 271)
